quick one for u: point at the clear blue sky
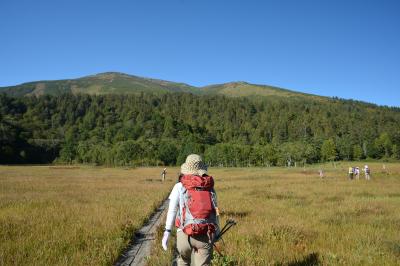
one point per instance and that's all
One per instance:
(349, 49)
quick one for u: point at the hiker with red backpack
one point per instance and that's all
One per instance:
(193, 208)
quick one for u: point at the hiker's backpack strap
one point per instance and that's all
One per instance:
(179, 220)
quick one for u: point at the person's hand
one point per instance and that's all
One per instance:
(164, 241)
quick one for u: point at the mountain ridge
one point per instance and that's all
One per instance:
(122, 83)
(113, 82)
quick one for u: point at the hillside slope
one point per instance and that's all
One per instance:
(245, 89)
(120, 83)
(104, 83)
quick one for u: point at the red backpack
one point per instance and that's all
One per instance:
(197, 215)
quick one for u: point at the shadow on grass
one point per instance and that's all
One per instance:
(309, 260)
(158, 180)
(235, 214)
(394, 247)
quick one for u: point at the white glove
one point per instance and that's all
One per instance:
(165, 238)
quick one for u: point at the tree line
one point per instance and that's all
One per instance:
(150, 129)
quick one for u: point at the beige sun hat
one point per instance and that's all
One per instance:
(194, 165)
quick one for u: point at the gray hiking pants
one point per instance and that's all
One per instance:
(199, 249)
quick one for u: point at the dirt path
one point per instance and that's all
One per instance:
(136, 253)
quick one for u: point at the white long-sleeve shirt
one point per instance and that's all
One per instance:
(173, 206)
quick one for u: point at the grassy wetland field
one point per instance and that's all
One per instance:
(51, 215)
(292, 217)
(73, 215)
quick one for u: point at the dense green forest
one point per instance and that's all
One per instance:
(151, 129)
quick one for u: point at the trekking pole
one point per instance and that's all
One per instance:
(217, 250)
(227, 226)
(228, 222)
(223, 232)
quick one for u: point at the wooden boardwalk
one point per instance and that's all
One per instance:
(140, 247)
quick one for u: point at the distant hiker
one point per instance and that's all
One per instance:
(367, 172)
(357, 172)
(385, 170)
(351, 172)
(321, 173)
(163, 174)
(193, 208)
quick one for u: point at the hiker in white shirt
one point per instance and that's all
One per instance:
(196, 243)
(163, 174)
(357, 172)
(367, 172)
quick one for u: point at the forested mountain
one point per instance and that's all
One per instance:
(162, 128)
(120, 83)
(104, 83)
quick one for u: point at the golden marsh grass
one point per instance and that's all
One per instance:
(292, 217)
(73, 216)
